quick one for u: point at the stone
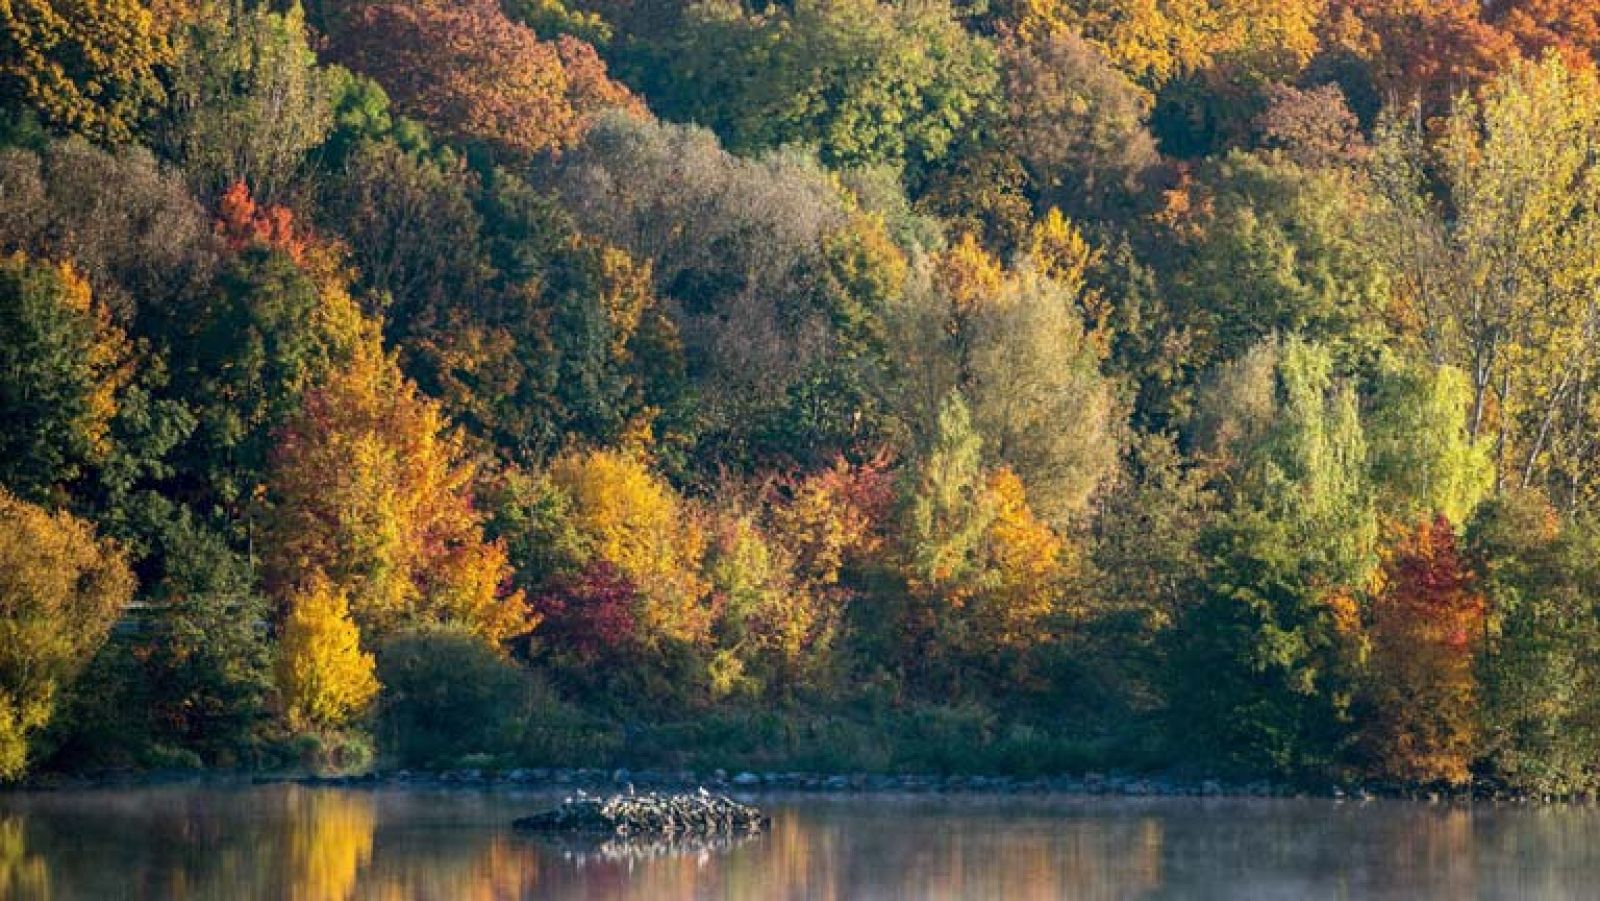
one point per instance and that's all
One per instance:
(699, 813)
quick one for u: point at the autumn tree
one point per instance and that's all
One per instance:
(983, 573)
(89, 67)
(627, 517)
(946, 514)
(413, 232)
(833, 520)
(1569, 27)
(62, 368)
(1156, 41)
(1143, 568)
(1076, 123)
(61, 588)
(326, 679)
(1426, 622)
(1503, 284)
(775, 630)
(129, 226)
(248, 100)
(589, 621)
(1313, 127)
(1420, 51)
(471, 73)
(247, 354)
(369, 488)
(1029, 565)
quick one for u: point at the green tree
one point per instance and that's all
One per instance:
(204, 658)
(946, 515)
(248, 100)
(865, 82)
(1272, 247)
(739, 252)
(63, 366)
(1538, 667)
(1423, 461)
(1276, 627)
(1038, 396)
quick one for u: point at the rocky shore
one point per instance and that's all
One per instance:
(745, 781)
(595, 780)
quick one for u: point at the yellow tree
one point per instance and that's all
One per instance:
(325, 677)
(61, 589)
(1506, 281)
(86, 66)
(369, 487)
(1155, 41)
(629, 518)
(984, 573)
(1028, 563)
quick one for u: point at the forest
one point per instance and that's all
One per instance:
(1021, 386)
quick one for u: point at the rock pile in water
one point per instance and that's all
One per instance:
(650, 814)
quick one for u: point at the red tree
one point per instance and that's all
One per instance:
(590, 616)
(1426, 623)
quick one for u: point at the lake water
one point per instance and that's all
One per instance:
(283, 842)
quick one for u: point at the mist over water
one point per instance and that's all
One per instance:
(327, 844)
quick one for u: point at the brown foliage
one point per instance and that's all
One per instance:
(472, 73)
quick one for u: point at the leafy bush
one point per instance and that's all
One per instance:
(448, 694)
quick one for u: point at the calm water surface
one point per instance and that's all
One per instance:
(298, 843)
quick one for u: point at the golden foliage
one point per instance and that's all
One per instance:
(1027, 560)
(968, 274)
(326, 679)
(86, 66)
(61, 588)
(370, 487)
(634, 521)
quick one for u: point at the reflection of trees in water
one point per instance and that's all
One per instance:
(870, 851)
(1013, 854)
(331, 844)
(23, 875)
(291, 844)
(326, 845)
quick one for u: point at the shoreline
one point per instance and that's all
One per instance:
(603, 781)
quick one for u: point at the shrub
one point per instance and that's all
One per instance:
(448, 694)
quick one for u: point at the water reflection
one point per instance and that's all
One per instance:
(589, 850)
(21, 873)
(327, 845)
